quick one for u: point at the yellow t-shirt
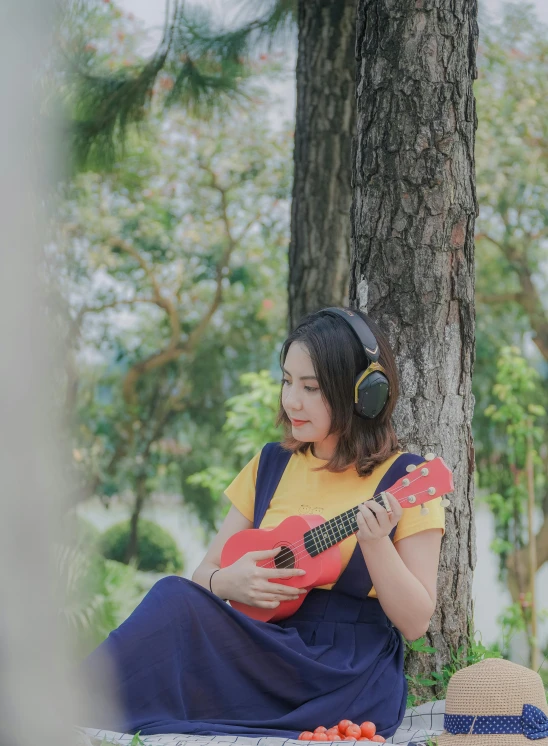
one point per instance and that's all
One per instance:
(302, 491)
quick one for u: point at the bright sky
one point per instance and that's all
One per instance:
(152, 12)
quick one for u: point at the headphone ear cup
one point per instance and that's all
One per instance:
(373, 393)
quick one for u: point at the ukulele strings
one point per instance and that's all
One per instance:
(302, 545)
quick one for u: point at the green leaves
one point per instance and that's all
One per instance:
(99, 594)
(197, 66)
(419, 646)
(250, 423)
(517, 384)
(250, 420)
(177, 257)
(466, 655)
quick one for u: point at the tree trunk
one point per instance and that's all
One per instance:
(413, 214)
(319, 251)
(140, 497)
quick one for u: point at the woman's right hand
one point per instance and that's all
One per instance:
(249, 583)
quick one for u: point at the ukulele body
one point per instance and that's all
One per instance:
(322, 569)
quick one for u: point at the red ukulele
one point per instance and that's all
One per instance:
(309, 542)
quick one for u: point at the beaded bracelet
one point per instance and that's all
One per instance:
(212, 574)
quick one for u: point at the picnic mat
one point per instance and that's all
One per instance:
(418, 724)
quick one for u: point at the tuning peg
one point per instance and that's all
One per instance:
(410, 467)
(424, 471)
(431, 490)
(405, 482)
(429, 457)
(445, 502)
(424, 510)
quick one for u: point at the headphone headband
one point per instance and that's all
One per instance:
(360, 329)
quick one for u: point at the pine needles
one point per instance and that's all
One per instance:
(196, 66)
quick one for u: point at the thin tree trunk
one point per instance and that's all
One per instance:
(413, 214)
(140, 498)
(319, 252)
(532, 551)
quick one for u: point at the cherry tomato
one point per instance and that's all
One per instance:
(348, 738)
(306, 735)
(343, 725)
(320, 729)
(335, 738)
(379, 739)
(353, 730)
(368, 729)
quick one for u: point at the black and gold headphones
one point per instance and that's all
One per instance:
(371, 389)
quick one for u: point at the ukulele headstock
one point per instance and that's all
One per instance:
(424, 482)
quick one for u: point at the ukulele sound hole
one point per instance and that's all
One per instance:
(285, 558)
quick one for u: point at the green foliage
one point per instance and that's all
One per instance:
(511, 369)
(174, 269)
(517, 389)
(511, 247)
(520, 423)
(512, 186)
(250, 423)
(109, 89)
(98, 595)
(250, 418)
(436, 682)
(513, 619)
(157, 551)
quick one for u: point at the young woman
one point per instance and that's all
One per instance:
(187, 662)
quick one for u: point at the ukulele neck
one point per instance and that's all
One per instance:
(332, 532)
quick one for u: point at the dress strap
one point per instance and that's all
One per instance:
(355, 579)
(272, 463)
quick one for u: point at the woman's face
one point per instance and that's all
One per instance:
(302, 399)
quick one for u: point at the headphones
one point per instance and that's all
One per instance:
(371, 389)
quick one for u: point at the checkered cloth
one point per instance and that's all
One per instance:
(418, 723)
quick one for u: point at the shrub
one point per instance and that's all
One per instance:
(99, 595)
(156, 548)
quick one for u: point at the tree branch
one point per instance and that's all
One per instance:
(516, 562)
(174, 348)
(529, 298)
(492, 300)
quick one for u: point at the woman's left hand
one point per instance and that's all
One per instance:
(374, 521)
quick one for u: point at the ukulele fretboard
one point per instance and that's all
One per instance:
(326, 535)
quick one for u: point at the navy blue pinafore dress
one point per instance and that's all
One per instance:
(186, 662)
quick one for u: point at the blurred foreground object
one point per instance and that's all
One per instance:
(38, 699)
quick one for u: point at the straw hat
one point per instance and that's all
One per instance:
(495, 703)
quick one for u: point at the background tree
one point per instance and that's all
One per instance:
(413, 217)
(517, 414)
(512, 251)
(201, 68)
(171, 267)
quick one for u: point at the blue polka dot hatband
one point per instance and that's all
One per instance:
(495, 703)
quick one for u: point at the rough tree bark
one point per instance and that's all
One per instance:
(319, 251)
(413, 215)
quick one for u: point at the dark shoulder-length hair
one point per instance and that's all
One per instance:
(338, 357)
